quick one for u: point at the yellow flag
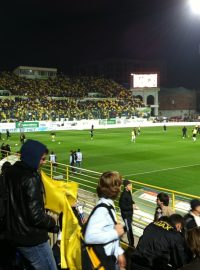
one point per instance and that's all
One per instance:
(70, 241)
(59, 197)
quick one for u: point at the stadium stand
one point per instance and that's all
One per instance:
(64, 97)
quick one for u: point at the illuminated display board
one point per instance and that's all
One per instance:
(145, 80)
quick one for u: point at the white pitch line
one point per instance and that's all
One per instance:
(167, 169)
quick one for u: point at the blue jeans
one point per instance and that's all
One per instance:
(40, 257)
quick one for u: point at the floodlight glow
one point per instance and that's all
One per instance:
(195, 6)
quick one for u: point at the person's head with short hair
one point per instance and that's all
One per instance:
(109, 185)
(193, 240)
(79, 150)
(195, 207)
(176, 221)
(127, 185)
(162, 199)
(5, 166)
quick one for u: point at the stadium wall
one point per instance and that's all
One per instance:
(180, 113)
(33, 126)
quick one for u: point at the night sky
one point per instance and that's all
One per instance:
(62, 34)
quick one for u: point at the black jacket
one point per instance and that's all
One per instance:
(126, 204)
(27, 222)
(159, 246)
(189, 222)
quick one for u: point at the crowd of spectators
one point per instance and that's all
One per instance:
(64, 98)
(24, 109)
(61, 86)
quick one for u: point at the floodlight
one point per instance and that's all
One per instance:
(195, 6)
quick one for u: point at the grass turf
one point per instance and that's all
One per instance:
(158, 158)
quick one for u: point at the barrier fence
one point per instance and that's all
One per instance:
(144, 195)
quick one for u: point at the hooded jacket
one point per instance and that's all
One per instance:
(27, 222)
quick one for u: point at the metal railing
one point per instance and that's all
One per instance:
(144, 194)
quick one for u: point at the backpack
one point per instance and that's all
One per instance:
(3, 203)
(94, 256)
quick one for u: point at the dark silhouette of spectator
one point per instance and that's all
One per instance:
(192, 219)
(7, 149)
(3, 151)
(7, 254)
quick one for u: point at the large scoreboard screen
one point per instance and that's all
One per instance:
(145, 80)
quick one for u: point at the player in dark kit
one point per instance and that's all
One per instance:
(22, 138)
(7, 134)
(184, 131)
(92, 132)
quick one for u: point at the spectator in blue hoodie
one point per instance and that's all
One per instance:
(29, 223)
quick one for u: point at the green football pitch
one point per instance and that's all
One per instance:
(158, 158)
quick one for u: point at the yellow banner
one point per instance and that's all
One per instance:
(59, 197)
